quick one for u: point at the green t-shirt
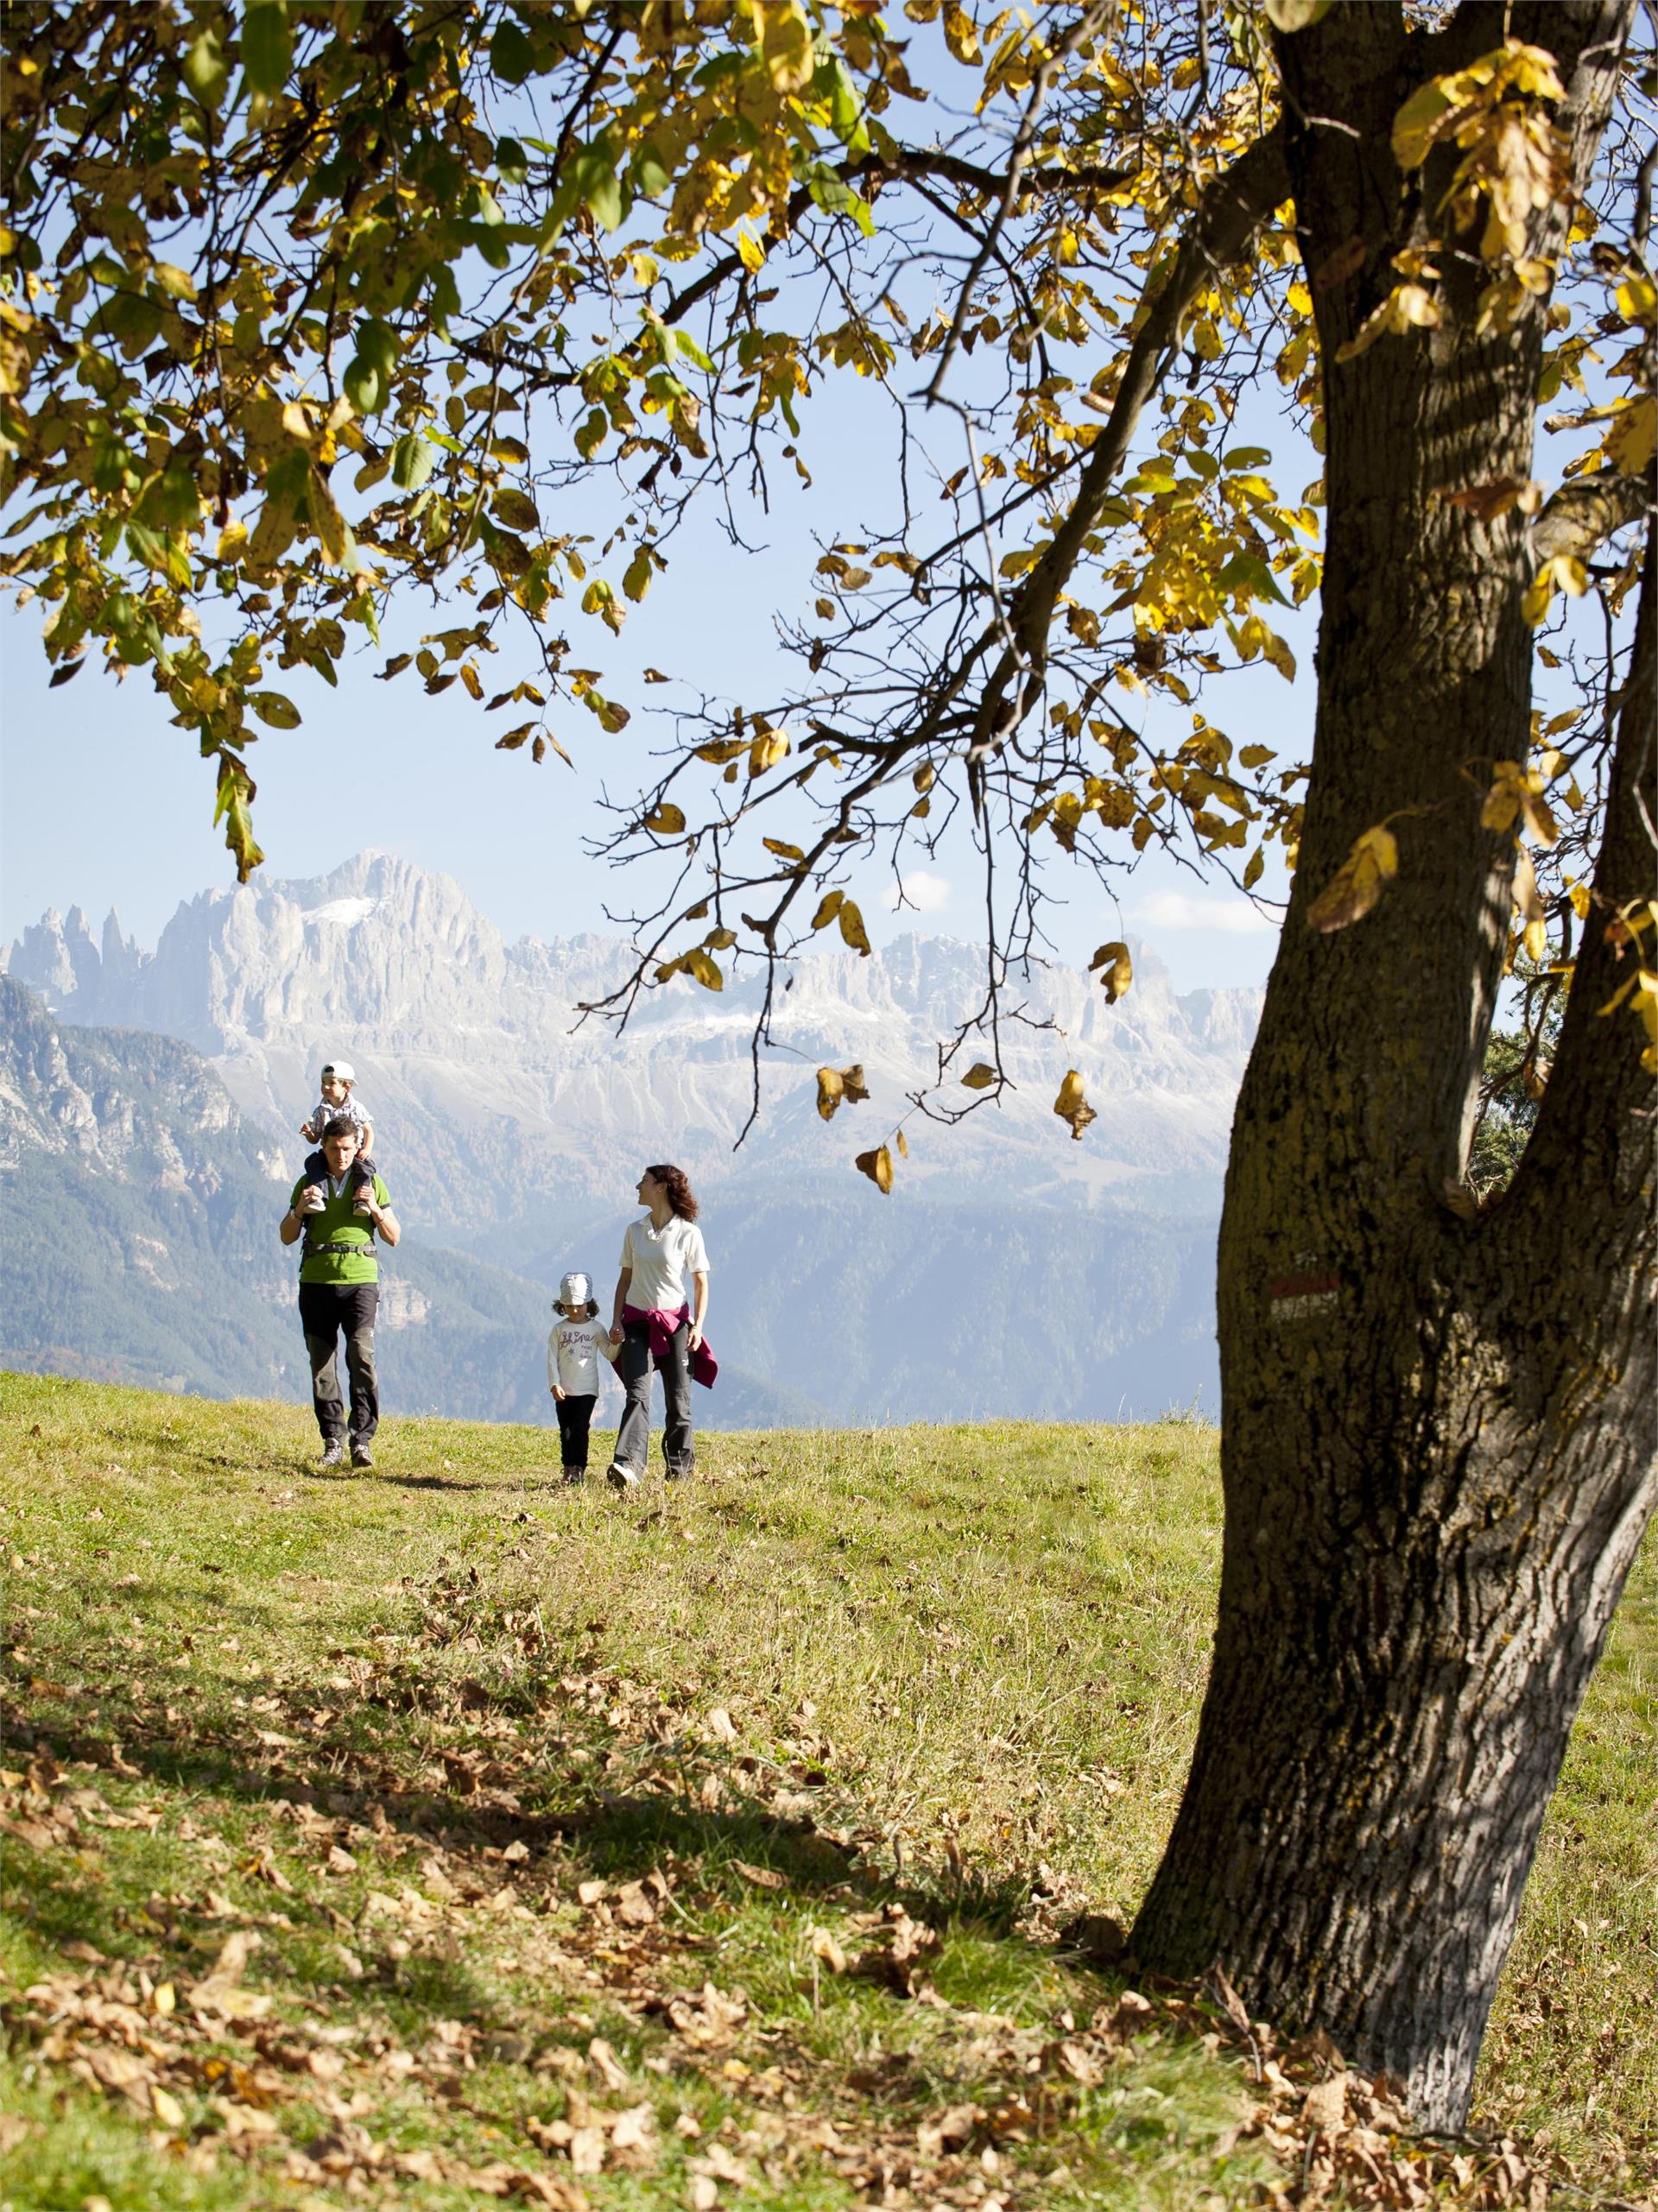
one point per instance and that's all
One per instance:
(338, 1224)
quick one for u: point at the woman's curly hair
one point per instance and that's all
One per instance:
(674, 1180)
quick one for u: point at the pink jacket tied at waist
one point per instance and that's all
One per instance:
(664, 1326)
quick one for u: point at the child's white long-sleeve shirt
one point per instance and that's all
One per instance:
(573, 1351)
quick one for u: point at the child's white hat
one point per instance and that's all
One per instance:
(575, 1290)
(341, 1071)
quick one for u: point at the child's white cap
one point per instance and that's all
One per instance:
(575, 1290)
(341, 1071)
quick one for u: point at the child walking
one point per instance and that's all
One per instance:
(573, 1351)
(338, 1104)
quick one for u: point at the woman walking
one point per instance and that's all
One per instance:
(660, 1309)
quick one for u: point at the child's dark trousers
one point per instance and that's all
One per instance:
(360, 1175)
(575, 1419)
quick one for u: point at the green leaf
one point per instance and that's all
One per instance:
(412, 461)
(274, 710)
(203, 69)
(517, 510)
(836, 197)
(1248, 572)
(267, 45)
(1295, 14)
(230, 807)
(685, 343)
(511, 163)
(363, 386)
(176, 282)
(651, 174)
(378, 344)
(512, 55)
(598, 185)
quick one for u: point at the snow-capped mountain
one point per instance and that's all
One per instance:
(494, 1103)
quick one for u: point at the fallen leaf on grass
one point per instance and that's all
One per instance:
(220, 1993)
(909, 1943)
(762, 1877)
(1325, 2107)
(951, 2131)
(603, 2059)
(825, 1947)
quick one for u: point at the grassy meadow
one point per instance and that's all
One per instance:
(442, 1835)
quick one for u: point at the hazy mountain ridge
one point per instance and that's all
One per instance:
(508, 1132)
(491, 1104)
(140, 1246)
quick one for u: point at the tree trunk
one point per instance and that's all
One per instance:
(1436, 1432)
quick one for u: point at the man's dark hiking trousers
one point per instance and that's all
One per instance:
(325, 1310)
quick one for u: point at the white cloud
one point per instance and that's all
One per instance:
(1222, 917)
(924, 893)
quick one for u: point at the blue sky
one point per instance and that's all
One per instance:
(106, 803)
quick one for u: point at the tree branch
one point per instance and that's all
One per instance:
(1583, 513)
(1234, 205)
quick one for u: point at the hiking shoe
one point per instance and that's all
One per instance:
(333, 1453)
(361, 1455)
(575, 1476)
(620, 1477)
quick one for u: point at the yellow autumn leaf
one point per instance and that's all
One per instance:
(1117, 969)
(769, 747)
(961, 34)
(698, 963)
(877, 1165)
(828, 906)
(831, 1090)
(749, 250)
(979, 1076)
(1071, 1106)
(852, 926)
(902, 1143)
(166, 2106)
(785, 45)
(1357, 883)
(1407, 306)
(667, 821)
(1633, 438)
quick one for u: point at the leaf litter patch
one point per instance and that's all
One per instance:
(481, 1934)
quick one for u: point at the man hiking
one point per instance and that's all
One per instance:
(339, 1280)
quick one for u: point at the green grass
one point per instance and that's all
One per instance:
(396, 1726)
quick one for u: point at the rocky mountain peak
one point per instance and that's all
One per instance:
(490, 1098)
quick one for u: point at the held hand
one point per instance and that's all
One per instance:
(558, 1392)
(615, 1333)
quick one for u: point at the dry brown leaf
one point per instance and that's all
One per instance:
(1325, 2107)
(603, 2060)
(825, 1947)
(951, 2131)
(762, 1877)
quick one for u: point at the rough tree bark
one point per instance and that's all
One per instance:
(1437, 1431)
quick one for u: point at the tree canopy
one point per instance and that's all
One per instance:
(310, 310)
